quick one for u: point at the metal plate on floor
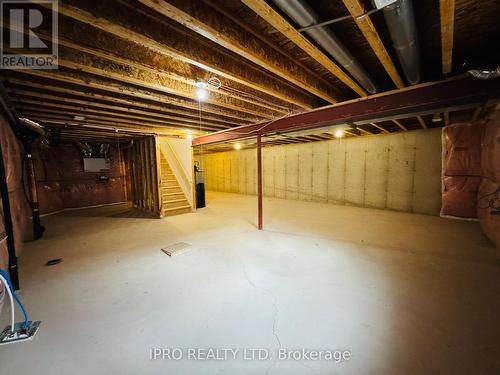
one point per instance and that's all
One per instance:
(21, 332)
(176, 249)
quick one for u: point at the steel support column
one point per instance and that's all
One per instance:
(259, 180)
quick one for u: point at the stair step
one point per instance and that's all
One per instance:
(178, 204)
(172, 191)
(176, 210)
(171, 194)
(170, 187)
(176, 200)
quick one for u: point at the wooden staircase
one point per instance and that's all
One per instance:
(173, 200)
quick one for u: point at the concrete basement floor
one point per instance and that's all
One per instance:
(404, 293)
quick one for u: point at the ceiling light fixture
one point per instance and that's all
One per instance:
(237, 146)
(189, 134)
(201, 91)
(339, 133)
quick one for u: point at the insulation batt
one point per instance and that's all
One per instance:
(471, 172)
(12, 155)
(461, 170)
(490, 165)
(62, 182)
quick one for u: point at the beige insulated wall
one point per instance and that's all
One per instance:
(395, 171)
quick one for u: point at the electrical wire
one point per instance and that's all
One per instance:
(217, 84)
(9, 292)
(12, 291)
(492, 198)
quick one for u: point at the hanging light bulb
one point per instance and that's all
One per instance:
(237, 146)
(189, 134)
(201, 91)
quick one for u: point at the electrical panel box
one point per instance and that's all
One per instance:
(96, 164)
(379, 4)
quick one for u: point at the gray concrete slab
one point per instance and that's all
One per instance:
(403, 293)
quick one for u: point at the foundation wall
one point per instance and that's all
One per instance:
(395, 171)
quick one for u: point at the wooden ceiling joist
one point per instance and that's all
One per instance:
(365, 24)
(382, 129)
(350, 132)
(203, 20)
(400, 125)
(136, 93)
(185, 50)
(168, 86)
(282, 25)
(250, 29)
(475, 114)
(105, 115)
(67, 122)
(162, 73)
(128, 105)
(97, 130)
(446, 118)
(422, 122)
(69, 117)
(26, 98)
(447, 13)
(364, 130)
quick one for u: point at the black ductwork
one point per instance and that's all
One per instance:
(400, 20)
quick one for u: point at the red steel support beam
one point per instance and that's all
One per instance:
(259, 180)
(427, 96)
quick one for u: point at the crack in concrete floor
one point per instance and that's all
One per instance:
(275, 318)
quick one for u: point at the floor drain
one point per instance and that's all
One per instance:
(176, 249)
